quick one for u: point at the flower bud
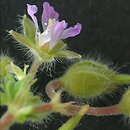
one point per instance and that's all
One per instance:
(88, 79)
(125, 103)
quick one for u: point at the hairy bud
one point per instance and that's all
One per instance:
(88, 79)
(125, 103)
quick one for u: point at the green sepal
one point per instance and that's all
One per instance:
(86, 79)
(29, 29)
(120, 79)
(21, 39)
(58, 47)
(94, 66)
(16, 70)
(66, 54)
(71, 123)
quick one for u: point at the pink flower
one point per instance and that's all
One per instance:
(54, 30)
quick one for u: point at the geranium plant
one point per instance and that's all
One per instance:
(85, 79)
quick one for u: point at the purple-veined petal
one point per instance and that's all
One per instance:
(56, 32)
(48, 13)
(72, 31)
(31, 10)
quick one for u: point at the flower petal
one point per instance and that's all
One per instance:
(72, 31)
(44, 37)
(32, 9)
(57, 30)
(48, 13)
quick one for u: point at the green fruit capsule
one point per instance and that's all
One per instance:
(125, 103)
(88, 79)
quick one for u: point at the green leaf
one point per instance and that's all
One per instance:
(58, 47)
(4, 62)
(22, 88)
(23, 113)
(7, 86)
(71, 123)
(16, 70)
(21, 39)
(29, 28)
(2, 99)
(67, 54)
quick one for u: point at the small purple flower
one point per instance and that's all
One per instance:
(54, 31)
(60, 31)
(48, 13)
(32, 9)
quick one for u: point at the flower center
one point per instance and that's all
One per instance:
(50, 23)
(45, 37)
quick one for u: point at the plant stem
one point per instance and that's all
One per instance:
(105, 111)
(54, 107)
(43, 108)
(34, 67)
(94, 111)
(97, 111)
(52, 86)
(6, 121)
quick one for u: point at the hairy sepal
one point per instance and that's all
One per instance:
(29, 29)
(87, 79)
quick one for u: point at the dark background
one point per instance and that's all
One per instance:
(105, 36)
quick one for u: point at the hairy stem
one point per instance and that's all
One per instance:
(105, 111)
(94, 111)
(97, 111)
(54, 107)
(52, 86)
(43, 108)
(6, 121)
(34, 67)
